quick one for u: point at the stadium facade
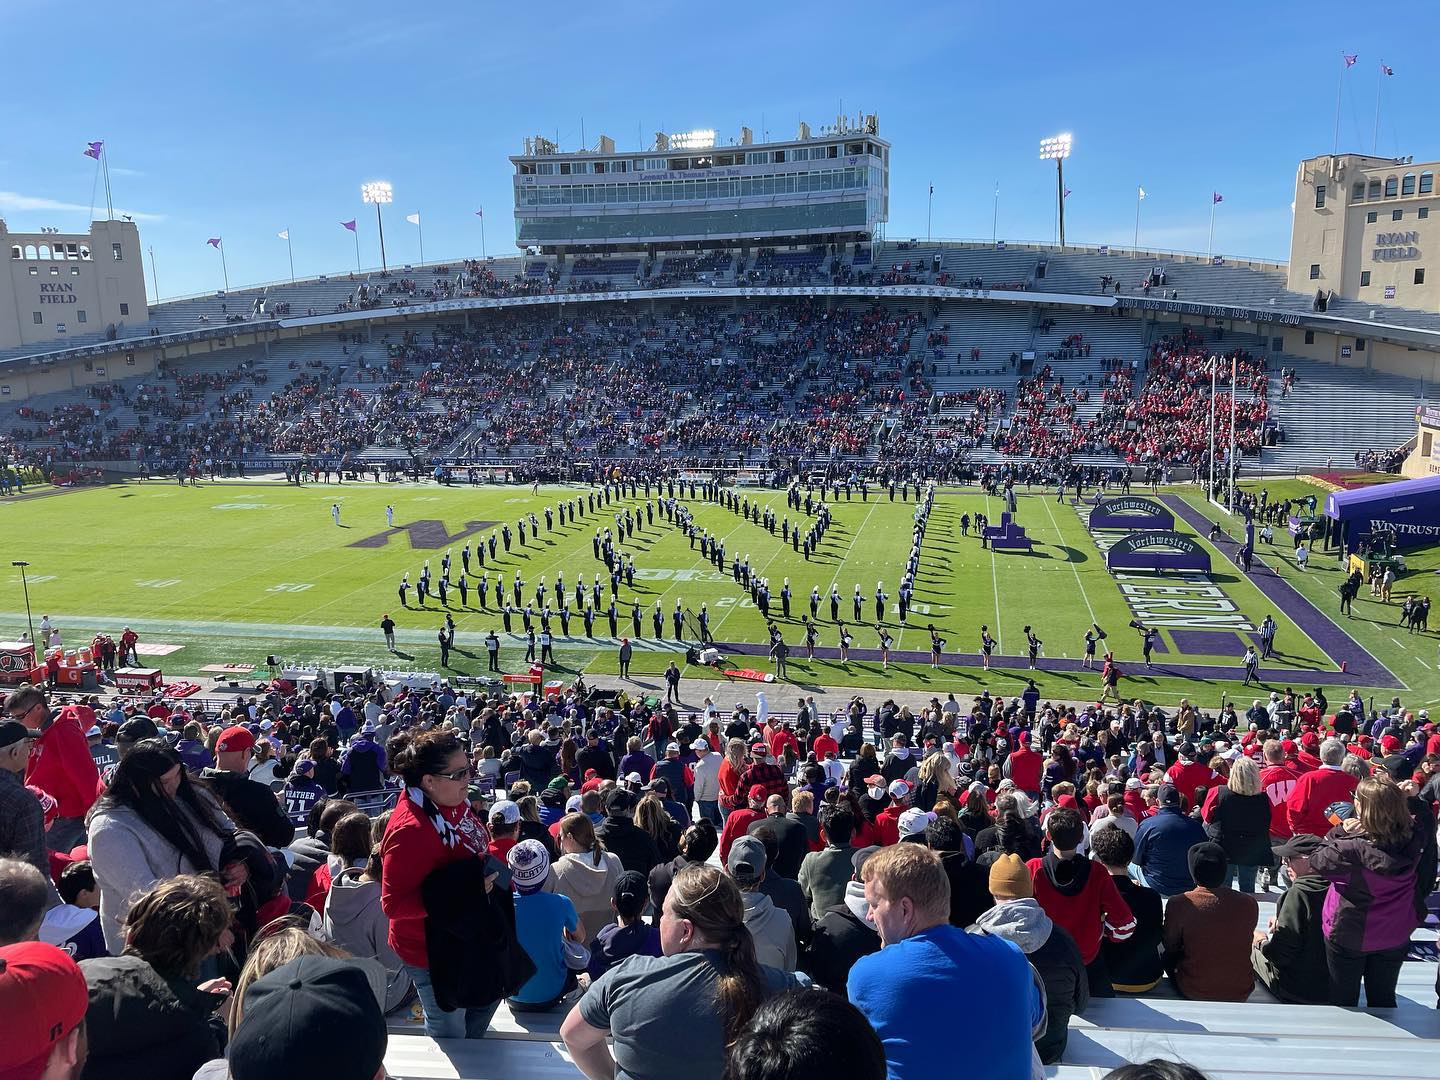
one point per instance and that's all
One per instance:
(831, 186)
(59, 286)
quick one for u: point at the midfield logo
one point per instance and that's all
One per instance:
(425, 535)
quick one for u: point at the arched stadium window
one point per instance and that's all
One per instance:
(1407, 185)
(1374, 191)
(15, 252)
(1392, 186)
(1427, 183)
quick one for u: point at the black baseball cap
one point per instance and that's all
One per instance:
(12, 731)
(1301, 845)
(137, 729)
(315, 1016)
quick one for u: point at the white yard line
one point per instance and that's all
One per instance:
(995, 584)
(1075, 569)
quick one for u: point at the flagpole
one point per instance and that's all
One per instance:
(290, 250)
(105, 164)
(482, 232)
(356, 234)
(1339, 87)
(1210, 243)
(223, 268)
(995, 217)
(421, 229)
(1233, 447)
(1210, 491)
(154, 278)
(929, 205)
(1379, 83)
(1136, 245)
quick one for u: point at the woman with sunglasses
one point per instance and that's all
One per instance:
(431, 827)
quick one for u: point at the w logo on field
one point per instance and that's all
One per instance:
(425, 535)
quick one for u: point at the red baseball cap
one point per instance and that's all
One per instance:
(1389, 744)
(1290, 747)
(759, 748)
(758, 791)
(43, 998)
(234, 738)
(1310, 740)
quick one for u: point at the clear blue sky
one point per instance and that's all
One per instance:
(242, 120)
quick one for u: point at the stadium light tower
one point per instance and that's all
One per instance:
(20, 564)
(1057, 148)
(379, 193)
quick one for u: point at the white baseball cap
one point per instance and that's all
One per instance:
(507, 811)
(914, 820)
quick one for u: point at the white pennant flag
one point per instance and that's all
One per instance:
(1142, 193)
(284, 234)
(414, 219)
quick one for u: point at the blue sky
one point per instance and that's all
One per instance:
(242, 120)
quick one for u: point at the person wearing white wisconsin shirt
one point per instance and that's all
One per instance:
(707, 781)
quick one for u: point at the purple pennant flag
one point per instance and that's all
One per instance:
(214, 241)
(1067, 193)
(479, 213)
(1386, 69)
(1350, 58)
(349, 224)
(1215, 196)
(92, 150)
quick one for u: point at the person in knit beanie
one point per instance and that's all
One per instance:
(1050, 949)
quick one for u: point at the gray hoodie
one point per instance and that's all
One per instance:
(1022, 921)
(588, 886)
(354, 921)
(772, 930)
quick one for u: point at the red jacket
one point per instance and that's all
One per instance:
(778, 740)
(737, 825)
(1081, 896)
(1278, 781)
(410, 851)
(1187, 778)
(887, 824)
(60, 763)
(1026, 765)
(1312, 793)
(823, 744)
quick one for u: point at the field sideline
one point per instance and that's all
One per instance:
(235, 570)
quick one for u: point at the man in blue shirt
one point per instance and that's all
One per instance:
(926, 974)
(1163, 843)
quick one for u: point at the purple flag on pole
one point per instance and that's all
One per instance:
(1386, 69)
(479, 213)
(1350, 58)
(349, 224)
(1215, 196)
(1067, 193)
(214, 241)
(92, 150)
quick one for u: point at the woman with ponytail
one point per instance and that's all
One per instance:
(676, 1014)
(586, 872)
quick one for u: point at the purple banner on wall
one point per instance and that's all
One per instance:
(1130, 513)
(1158, 551)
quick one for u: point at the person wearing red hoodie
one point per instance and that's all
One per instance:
(1025, 767)
(1190, 776)
(1306, 751)
(1135, 799)
(738, 822)
(887, 822)
(1278, 779)
(60, 761)
(1080, 896)
(431, 827)
(1316, 790)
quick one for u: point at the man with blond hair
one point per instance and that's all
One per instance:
(926, 972)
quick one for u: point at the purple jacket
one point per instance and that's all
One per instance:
(1372, 902)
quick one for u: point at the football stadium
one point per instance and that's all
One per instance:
(706, 630)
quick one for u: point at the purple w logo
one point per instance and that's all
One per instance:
(425, 535)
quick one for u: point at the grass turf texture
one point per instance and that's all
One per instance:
(234, 571)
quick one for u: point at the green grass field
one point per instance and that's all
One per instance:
(233, 571)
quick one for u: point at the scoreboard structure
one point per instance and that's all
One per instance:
(688, 192)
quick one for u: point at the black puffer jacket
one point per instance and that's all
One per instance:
(1241, 825)
(142, 1025)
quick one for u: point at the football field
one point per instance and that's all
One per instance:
(233, 571)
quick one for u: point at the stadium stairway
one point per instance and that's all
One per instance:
(1261, 1037)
